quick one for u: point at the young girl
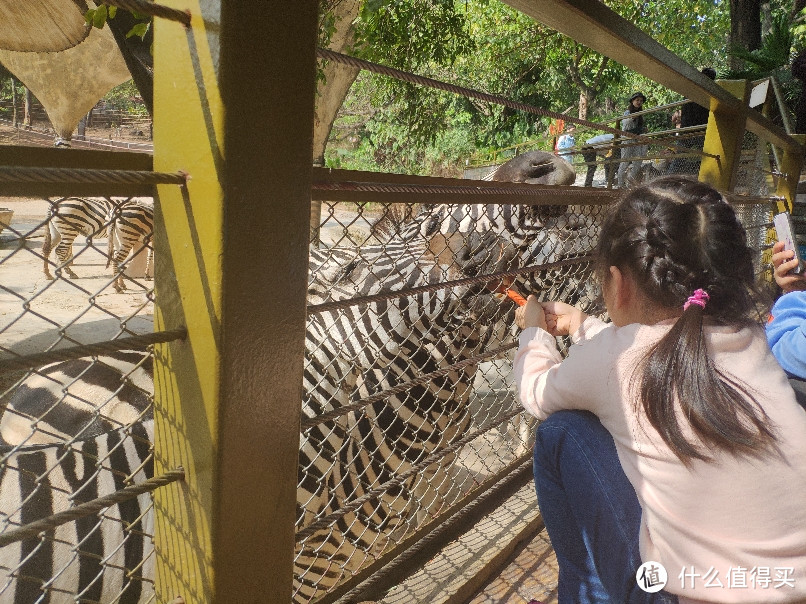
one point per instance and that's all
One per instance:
(671, 436)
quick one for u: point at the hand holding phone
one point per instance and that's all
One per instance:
(785, 233)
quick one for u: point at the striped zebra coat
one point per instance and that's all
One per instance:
(125, 223)
(131, 224)
(75, 431)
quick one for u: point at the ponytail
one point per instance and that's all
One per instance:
(679, 381)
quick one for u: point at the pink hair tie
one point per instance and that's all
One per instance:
(700, 297)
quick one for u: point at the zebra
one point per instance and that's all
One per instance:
(73, 431)
(40, 407)
(103, 558)
(370, 347)
(70, 217)
(131, 223)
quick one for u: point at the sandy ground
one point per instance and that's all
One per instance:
(36, 313)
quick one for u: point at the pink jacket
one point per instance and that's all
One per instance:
(737, 522)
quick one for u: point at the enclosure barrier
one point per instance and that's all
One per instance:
(84, 531)
(403, 349)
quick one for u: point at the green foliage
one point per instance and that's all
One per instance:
(97, 18)
(774, 53)
(488, 46)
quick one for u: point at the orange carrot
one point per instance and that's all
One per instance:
(516, 297)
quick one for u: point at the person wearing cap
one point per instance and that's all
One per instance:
(632, 153)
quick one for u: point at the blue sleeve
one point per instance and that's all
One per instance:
(786, 333)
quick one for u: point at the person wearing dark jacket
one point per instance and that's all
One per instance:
(692, 114)
(632, 153)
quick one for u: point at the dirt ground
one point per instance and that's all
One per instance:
(36, 313)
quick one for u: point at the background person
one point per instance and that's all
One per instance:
(786, 329)
(597, 146)
(566, 141)
(671, 435)
(631, 153)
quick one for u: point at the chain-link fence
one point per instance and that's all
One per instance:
(76, 518)
(409, 408)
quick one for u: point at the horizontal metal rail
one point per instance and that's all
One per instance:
(405, 293)
(391, 72)
(381, 187)
(33, 361)
(90, 507)
(27, 174)
(309, 422)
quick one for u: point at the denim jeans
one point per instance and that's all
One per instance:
(590, 510)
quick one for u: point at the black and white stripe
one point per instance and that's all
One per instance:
(131, 226)
(126, 223)
(104, 558)
(68, 218)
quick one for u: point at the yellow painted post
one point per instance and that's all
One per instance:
(234, 99)
(791, 166)
(723, 137)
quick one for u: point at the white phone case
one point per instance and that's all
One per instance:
(785, 232)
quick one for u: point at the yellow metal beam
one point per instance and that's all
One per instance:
(791, 166)
(593, 24)
(723, 139)
(234, 98)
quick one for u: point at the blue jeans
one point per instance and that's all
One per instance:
(590, 510)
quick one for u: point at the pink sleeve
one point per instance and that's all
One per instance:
(546, 383)
(537, 353)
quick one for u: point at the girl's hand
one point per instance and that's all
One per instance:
(562, 319)
(784, 261)
(530, 315)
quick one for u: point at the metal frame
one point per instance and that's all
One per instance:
(232, 268)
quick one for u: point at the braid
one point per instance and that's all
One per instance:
(675, 236)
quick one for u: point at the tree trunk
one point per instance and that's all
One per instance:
(338, 79)
(137, 55)
(745, 27)
(26, 114)
(583, 106)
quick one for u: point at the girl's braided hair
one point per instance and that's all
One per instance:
(675, 235)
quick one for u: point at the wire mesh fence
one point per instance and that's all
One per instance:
(76, 426)
(408, 408)
(409, 405)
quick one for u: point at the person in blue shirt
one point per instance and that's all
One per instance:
(786, 329)
(566, 141)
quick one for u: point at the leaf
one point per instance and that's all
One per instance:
(140, 30)
(113, 10)
(89, 16)
(99, 18)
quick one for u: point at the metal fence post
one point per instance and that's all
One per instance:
(234, 100)
(723, 137)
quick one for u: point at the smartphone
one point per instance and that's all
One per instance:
(784, 231)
